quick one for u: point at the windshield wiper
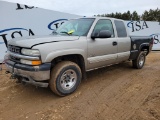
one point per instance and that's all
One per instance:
(54, 32)
(65, 32)
(75, 35)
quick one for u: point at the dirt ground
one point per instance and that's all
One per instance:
(118, 92)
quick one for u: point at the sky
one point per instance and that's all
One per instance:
(92, 7)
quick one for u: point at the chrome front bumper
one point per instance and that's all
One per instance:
(37, 73)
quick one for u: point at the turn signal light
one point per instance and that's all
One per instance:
(38, 62)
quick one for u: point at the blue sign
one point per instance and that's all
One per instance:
(5, 30)
(55, 22)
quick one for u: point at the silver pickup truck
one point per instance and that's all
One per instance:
(60, 60)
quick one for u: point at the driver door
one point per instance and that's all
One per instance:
(102, 51)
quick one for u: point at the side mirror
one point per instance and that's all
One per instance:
(102, 34)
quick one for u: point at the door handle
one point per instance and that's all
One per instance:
(114, 43)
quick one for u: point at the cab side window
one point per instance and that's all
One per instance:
(121, 30)
(103, 25)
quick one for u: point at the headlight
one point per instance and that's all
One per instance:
(30, 52)
(28, 62)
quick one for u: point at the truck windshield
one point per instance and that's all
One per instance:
(76, 27)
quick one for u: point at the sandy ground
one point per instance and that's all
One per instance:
(118, 92)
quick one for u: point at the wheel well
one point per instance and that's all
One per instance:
(78, 59)
(145, 49)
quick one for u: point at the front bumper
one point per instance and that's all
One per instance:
(33, 73)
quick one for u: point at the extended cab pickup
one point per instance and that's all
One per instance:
(61, 59)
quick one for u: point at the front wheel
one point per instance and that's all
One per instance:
(139, 62)
(65, 78)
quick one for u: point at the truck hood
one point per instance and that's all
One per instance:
(28, 42)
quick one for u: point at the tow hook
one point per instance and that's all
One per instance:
(7, 72)
(13, 76)
(23, 82)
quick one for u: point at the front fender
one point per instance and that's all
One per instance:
(55, 54)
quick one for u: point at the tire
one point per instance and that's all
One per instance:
(140, 61)
(65, 78)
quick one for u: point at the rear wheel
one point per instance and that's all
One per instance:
(139, 62)
(65, 78)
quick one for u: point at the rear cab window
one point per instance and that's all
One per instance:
(121, 29)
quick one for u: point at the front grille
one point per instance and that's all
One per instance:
(14, 49)
(14, 59)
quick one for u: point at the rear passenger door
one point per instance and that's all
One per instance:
(124, 41)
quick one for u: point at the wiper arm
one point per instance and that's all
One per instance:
(65, 32)
(54, 32)
(68, 33)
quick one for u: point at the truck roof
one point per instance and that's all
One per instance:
(102, 18)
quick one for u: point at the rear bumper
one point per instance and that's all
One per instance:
(33, 73)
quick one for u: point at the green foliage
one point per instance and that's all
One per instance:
(151, 15)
